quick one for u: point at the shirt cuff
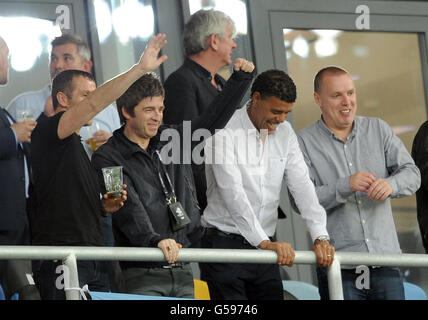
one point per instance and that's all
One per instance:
(393, 185)
(343, 190)
(316, 231)
(16, 137)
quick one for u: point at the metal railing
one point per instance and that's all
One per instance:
(70, 255)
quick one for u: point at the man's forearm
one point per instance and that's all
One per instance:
(224, 105)
(100, 98)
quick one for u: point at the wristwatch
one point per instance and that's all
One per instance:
(323, 238)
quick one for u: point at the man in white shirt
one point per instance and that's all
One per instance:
(69, 51)
(246, 164)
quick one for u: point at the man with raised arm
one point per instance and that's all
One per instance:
(67, 198)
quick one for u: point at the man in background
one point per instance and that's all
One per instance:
(208, 40)
(69, 51)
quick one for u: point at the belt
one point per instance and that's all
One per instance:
(174, 265)
(233, 236)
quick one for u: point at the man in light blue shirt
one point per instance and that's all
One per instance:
(357, 165)
(68, 52)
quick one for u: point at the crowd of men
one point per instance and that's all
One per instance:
(341, 172)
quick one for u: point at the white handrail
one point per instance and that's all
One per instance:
(69, 255)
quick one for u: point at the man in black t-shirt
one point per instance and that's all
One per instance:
(66, 194)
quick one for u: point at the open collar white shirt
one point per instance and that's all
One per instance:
(244, 179)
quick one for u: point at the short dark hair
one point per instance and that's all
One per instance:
(322, 72)
(63, 82)
(82, 46)
(275, 83)
(146, 87)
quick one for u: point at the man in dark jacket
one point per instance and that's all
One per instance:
(14, 193)
(156, 188)
(208, 41)
(420, 156)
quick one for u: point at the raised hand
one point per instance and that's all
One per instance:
(149, 60)
(244, 65)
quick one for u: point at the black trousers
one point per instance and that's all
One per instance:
(15, 275)
(239, 281)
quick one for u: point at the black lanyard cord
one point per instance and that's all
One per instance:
(169, 196)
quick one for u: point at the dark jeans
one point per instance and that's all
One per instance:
(383, 284)
(169, 282)
(50, 278)
(239, 281)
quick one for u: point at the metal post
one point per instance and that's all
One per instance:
(71, 279)
(334, 277)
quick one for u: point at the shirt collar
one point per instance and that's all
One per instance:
(245, 118)
(324, 128)
(200, 70)
(247, 124)
(126, 146)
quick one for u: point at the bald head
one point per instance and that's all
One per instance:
(4, 62)
(331, 70)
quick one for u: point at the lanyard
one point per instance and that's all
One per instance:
(169, 196)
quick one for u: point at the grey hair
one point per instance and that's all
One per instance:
(82, 46)
(203, 24)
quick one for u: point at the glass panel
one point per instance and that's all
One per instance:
(237, 10)
(386, 69)
(29, 53)
(124, 28)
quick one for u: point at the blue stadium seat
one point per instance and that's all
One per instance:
(301, 290)
(2, 296)
(96, 295)
(414, 292)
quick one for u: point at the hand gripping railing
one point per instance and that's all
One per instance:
(69, 255)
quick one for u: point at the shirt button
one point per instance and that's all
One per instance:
(359, 201)
(350, 164)
(345, 146)
(367, 240)
(364, 221)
